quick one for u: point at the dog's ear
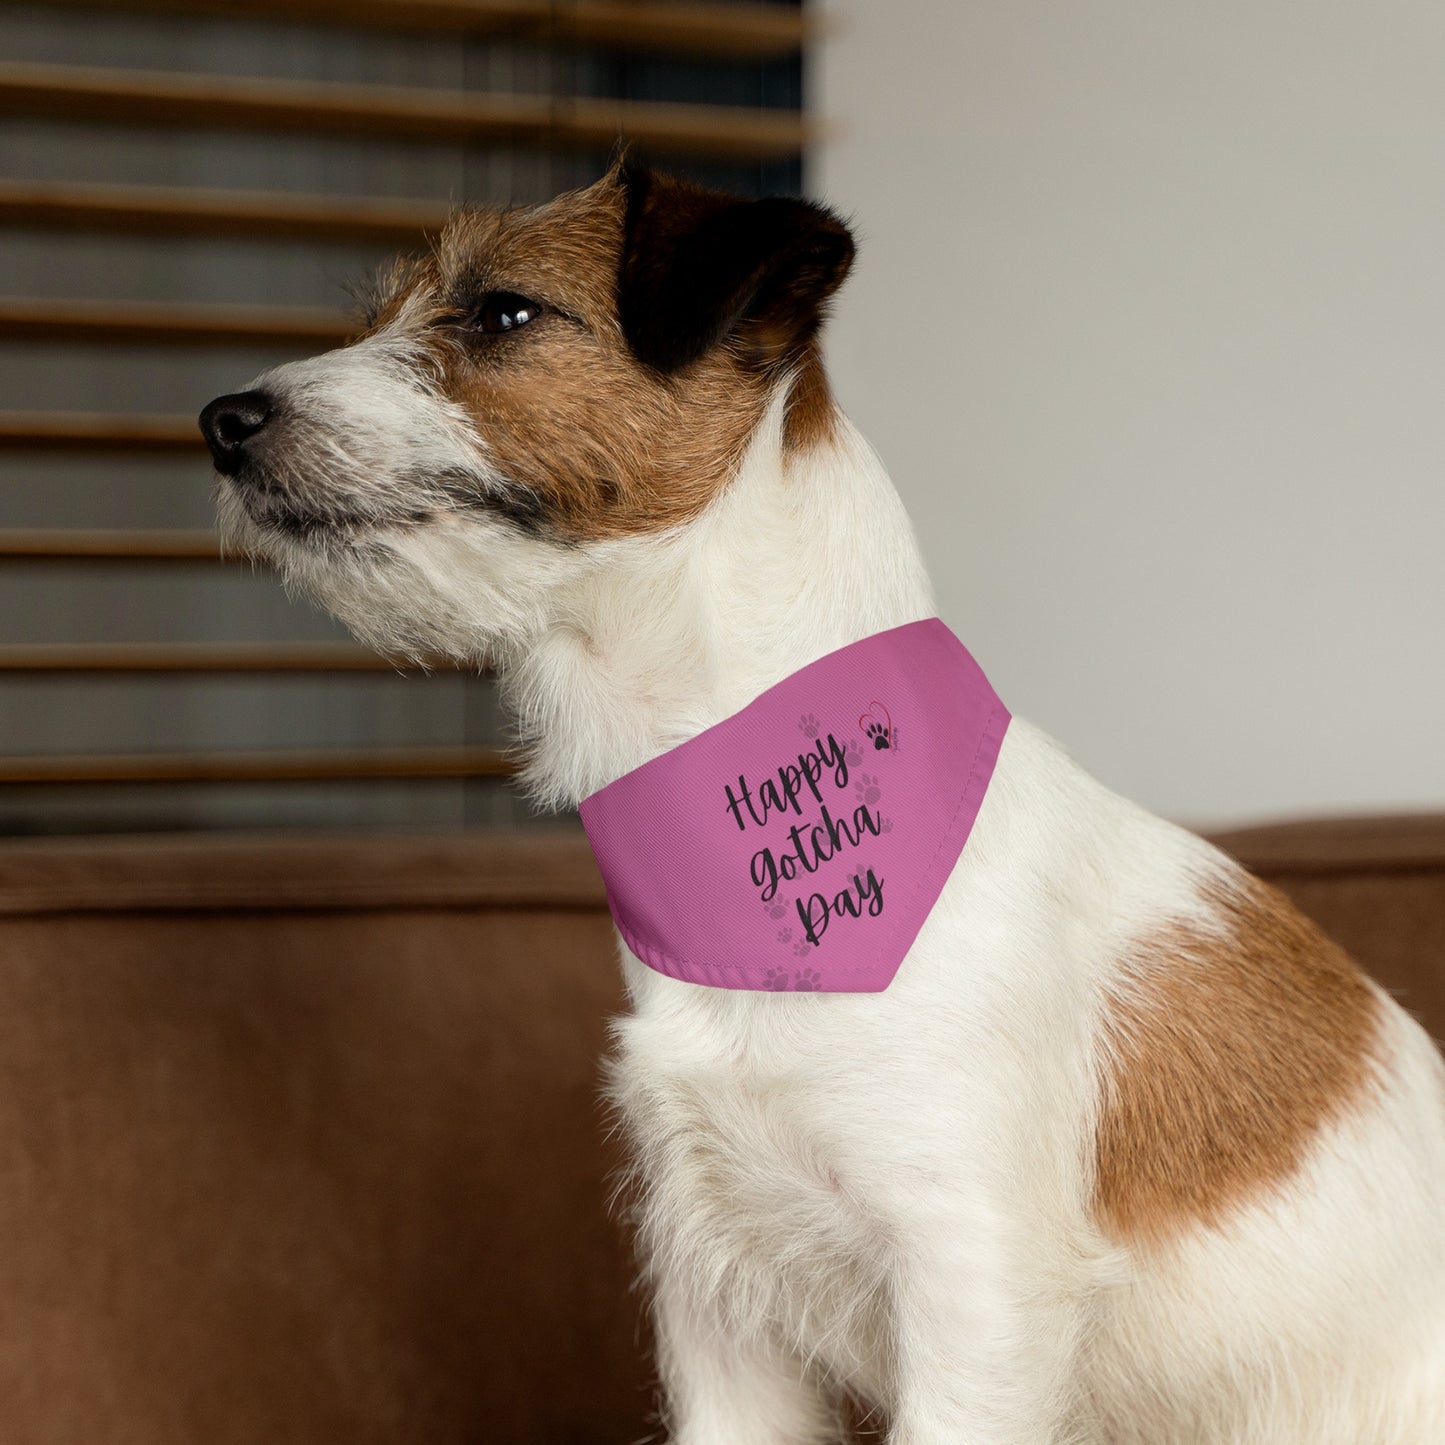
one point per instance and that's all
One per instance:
(698, 266)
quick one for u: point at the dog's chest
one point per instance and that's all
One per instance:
(743, 1186)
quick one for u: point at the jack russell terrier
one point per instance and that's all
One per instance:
(956, 1085)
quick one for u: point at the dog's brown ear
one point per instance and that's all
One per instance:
(698, 266)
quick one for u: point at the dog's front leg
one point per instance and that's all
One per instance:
(985, 1348)
(722, 1386)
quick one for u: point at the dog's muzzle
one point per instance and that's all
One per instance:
(230, 422)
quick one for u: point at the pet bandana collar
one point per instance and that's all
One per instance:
(801, 843)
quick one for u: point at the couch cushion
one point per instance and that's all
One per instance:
(300, 1140)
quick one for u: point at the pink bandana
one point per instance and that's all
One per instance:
(801, 843)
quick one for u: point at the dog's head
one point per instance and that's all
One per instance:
(545, 384)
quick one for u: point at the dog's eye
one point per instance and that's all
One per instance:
(504, 311)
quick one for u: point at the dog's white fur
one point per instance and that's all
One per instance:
(890, 1194)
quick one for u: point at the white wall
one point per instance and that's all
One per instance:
(1149, 324)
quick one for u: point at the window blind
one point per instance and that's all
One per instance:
(186, 189)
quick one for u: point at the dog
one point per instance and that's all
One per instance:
(1126, 1153)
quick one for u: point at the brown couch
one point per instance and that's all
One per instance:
(300, 1141)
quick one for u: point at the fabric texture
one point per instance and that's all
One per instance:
(801, 843)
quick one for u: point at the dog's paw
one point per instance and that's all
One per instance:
(775, 979)
(776, 907)
(853, 753)
(810, 725)
(867, 789)
(885, 825)
(802, 947)
(785, 935)
(879, 734)
(808, 981)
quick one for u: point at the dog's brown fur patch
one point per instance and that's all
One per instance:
(1225, 1054)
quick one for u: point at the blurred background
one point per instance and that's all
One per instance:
(187, 191)
(1147, 323)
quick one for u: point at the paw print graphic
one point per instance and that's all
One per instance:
(810, 725)
(808, 981)
(877, 725)
(775, 980)
(885, 825)
(867, 789)
(785, 935)
(777, 907)
(802, 948)
(852, 753)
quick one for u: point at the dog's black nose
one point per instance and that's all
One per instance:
(229, 422)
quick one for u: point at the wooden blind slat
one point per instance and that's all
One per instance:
(756, 32)
(190, 657)
(82, 545)
(257, 767)
(715, 29)
(157, 323)
(79, 431)
(168, 210)
(156, 98)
